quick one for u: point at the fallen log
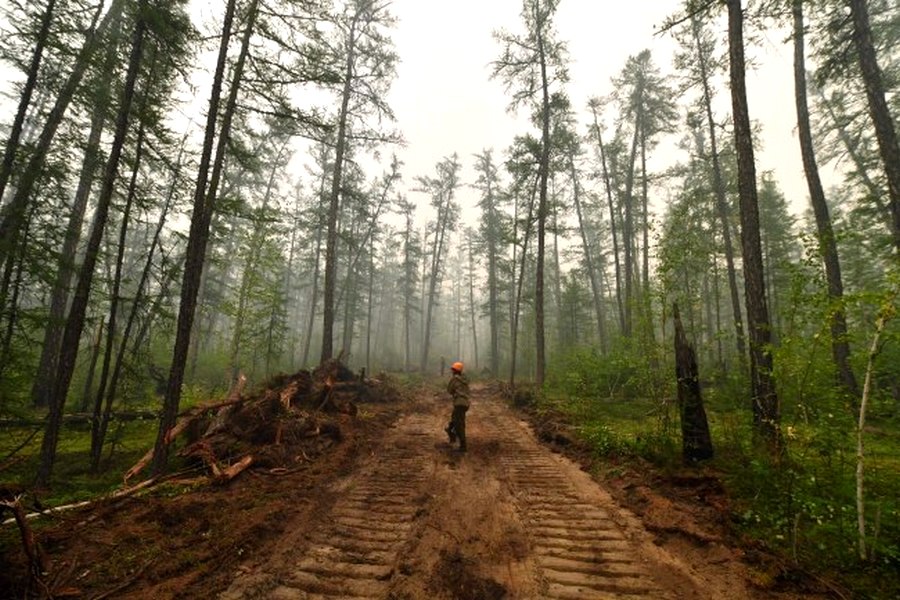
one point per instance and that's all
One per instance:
(186, 417)
(234, 470)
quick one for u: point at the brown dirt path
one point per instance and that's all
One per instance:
(414, 519)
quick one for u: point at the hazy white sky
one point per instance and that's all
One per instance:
(445, 101)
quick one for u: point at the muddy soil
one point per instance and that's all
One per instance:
(394, 512)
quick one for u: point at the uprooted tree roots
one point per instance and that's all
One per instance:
(295, 418)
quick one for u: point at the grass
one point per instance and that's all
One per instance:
(71, 482)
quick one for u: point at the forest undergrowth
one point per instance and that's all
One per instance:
(802, 508)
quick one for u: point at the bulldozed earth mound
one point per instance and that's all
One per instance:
(263, 452)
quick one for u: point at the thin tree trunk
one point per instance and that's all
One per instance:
(645, 246)
(860, 430)
(851, 145)
(87, 390)
(612, 222)
(628, 235)
(136, 304)
(334, 197)
(766, 410)
(198, 236)
(408, 269)
(436, 266)
(15, 281)
(840, 347)
(59, 296)
(721, 201)
(98, 432)
(518, 296)
(13, 214)
(15, 132)
(493, 291)
(250, 266)
(543, 176)
(472, 304)
(369, 306)
(878, 108)
(75, 323)
(588, 259)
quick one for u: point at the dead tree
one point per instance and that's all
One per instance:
(696, 443)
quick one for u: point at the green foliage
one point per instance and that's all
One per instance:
(71, 483)
(583, 373)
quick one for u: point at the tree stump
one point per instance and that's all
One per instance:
(695, 439)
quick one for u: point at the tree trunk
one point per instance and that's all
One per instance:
(628, 235)
(314, 292)
(543, 176)
(15, 132)
(518, 296)
(840, 347)
(75, 322)
(98, 432)
(851, 145)
(878, 108)
(136, 304)
(198, 235)
(334, 197)
(721, 201)
(766, 410)
(645, 229)
(369, 305)
(436, 267)
(14, 281)
(13, 214)
(588, 259)
(472, 308)
(696, 443)
(612, 223)
(59, 295)
(493, 291)
(256, 242)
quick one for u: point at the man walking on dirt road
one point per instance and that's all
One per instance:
(458, 387)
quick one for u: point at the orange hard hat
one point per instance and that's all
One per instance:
(457, 366)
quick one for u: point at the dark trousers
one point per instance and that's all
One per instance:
(457, 427)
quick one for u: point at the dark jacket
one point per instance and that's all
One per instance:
(458, 387)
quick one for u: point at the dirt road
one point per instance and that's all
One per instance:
(415, 519)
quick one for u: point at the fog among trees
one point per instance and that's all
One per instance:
(187, 202)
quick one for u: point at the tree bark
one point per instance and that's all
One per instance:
(199, 231)
(334, 197)
(878, 108)
(722, 210)
(543, 176)
(588, 259)
(75, 322)
(98, 429)
(696, 442)
(13, 214)
(840, 347)
(766, 409)
(612, 222)
(59, 295)
(15, 132)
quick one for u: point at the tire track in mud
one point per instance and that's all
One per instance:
(352, 554)
(416, 520)
(579, 551)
